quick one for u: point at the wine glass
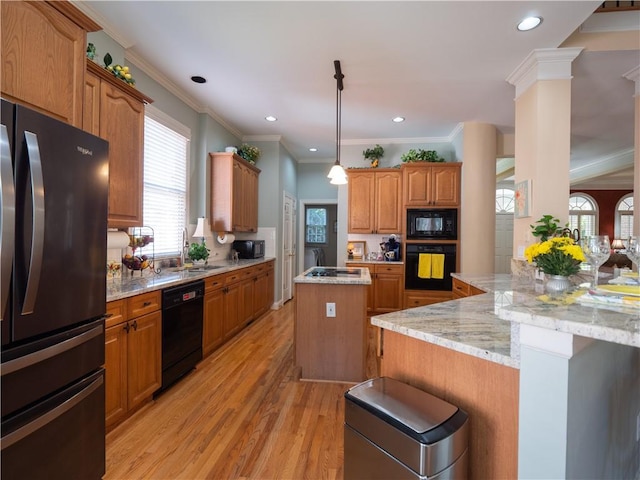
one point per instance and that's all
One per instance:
(633, 250)
(596, 249)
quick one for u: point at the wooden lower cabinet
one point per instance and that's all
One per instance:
(213, 315)
(384, 295)
(133, 362)
(419, 298)
(462, 289)
(245, 295)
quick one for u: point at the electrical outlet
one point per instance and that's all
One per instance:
(638, 428)
(331, 309)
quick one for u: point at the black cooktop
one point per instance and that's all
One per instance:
(333, 272)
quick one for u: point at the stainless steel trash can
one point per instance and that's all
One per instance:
(395, 431)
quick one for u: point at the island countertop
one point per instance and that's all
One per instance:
(488, 325)
(359, 276)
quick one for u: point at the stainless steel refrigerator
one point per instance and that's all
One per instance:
(54, 187)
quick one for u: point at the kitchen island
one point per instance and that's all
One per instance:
(552, 387)
(330, 323)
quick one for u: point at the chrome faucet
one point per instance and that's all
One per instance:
(184, 251)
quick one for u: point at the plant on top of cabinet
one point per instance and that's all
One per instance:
(250, 153)
(373, 155)
(421, 155)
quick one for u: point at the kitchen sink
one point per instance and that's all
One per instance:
(206, 268)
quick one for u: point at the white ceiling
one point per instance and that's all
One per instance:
(435, 63)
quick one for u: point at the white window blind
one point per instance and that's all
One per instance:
(166, 150)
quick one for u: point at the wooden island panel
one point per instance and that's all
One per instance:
(331, 348)
(487, 391)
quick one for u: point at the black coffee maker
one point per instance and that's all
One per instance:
(391, 250)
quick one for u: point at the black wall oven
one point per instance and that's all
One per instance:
(432, 224)
(429, 266)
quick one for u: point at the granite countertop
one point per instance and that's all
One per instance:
(364, 278)
(381, 262)
(488, 325)
(130, 285)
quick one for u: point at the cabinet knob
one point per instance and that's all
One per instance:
(135, 325)
(146, 304)
(126, 327)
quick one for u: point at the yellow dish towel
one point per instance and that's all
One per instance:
(424, 265)
(437, 265)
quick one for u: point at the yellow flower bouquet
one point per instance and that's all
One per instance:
(556, 256)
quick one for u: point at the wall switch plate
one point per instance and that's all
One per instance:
(331, 309)
(638, 428)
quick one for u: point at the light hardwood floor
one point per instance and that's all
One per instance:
(240, 414)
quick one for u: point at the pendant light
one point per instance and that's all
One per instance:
(337, 174)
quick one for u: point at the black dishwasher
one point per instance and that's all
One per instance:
(181, 330)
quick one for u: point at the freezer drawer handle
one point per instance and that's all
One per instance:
(37, 235)
(41, 355)
(50, 416)
(8, 219)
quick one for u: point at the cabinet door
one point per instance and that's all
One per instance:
(43, 60)
(271, 287)
(91, 107)
(361, 202)
(115, 364)
(246, 302)
(260, 292)
(232, 310)
(212, 328)
(445, 185)
(416, 186)
(237, 209)
(388, 292)
(387, 204)
(144, 344)
(122, 124)
(370, 288)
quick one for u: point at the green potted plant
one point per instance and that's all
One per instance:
(198, 252)
(421, 155)
(249, 153)
(373, 155)
(546, 227)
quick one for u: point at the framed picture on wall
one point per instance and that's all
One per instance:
(356, 249)
(522, 194)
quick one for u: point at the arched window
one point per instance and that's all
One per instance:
(624, 217)
(583, 214)
(505, 200)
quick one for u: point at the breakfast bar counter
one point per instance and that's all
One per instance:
(551, 384)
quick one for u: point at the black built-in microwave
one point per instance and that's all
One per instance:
(432, 224)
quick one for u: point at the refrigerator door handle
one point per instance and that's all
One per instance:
(41, 355)
(8, 219)
(37, 236)
(51, 415)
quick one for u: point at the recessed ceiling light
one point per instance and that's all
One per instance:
(313, 149)
(529, 23)
(398, 119)
(270, 118)
(198, 79)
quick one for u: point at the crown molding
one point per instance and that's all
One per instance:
(543, 64)
(605, 165)
(262, 138)
(109, 29)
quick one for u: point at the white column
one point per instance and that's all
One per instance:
(634, 75)
(543, 134)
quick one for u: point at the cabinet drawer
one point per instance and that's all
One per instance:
(248, 272)
(143, 304)
(393, 269)
(420, 298)
(233, 277)
(116, 313)
(213, 283)
(460, 288)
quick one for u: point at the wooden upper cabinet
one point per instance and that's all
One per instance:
(114, 111)
(234, 193)
(375, 201)
(43, 57)
(428, 185)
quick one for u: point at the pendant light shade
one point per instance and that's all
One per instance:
(337, 174)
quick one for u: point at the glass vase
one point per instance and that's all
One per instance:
(557, 284)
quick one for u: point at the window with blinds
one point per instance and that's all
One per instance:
(166, 153)
(583, 214)
(624, 218)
